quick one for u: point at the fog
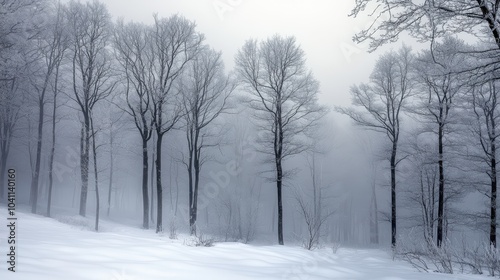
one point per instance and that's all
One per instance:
(237, 192)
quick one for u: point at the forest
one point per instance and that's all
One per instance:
(140, 123)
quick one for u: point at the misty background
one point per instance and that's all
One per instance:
(348, 165)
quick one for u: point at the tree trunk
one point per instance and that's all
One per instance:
(36, 174)
(111, 161)
(192, 219)
(159, 188)
(278, 153)
(84, 161)
(145, 198)
(280, 212)
(152, 184)
(441, 188)
(96, 179)
(279, 173)
(493, 197)
(374, 217)
(196, 186)
(53, 147)
(393, 195)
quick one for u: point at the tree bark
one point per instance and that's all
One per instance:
(111, 161)
(278, 144)
(374, 217)
(159, 188)
(53, 147)
(36, 174)
(96, 178)
(145, 198)
(493, 196)
(196, 185)
(192, 219)
(194, 177)
(280, 208)
(152, 184)
(393, 194)
(441, 188)
(84, 168)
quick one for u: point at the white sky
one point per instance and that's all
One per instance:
(321, 27)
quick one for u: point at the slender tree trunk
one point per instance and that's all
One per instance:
(425, 205)
(53, 147)
(493, 196)
(393, 194)
(441, 188)
(111, 163)
(36, 174)
(493, 202)
(278, 152)
(280, 210)
(315, 195)
(159, 188)
(196, 187)
(84, 168)
(175, 203)
(279, 173)
(145, 198)
(96, 179)
(152, 183)
(192, 227)
(374, 217)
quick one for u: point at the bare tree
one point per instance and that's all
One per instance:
(485, 107)
(62, 43)
(17, 29)
(284, 99)
(441, 84)
(50, 48)
(133, 49)
(10, 105)
(114, 126)
(313, 209)
(89, 25)
(175, 43)
(422, 181)
(382, 103)
(426, 19)
(206, 89)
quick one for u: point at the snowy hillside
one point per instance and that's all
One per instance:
(49, 249)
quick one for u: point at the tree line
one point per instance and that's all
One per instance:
(156, 77)
(450, 91)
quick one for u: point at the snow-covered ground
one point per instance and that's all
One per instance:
(49, 249)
